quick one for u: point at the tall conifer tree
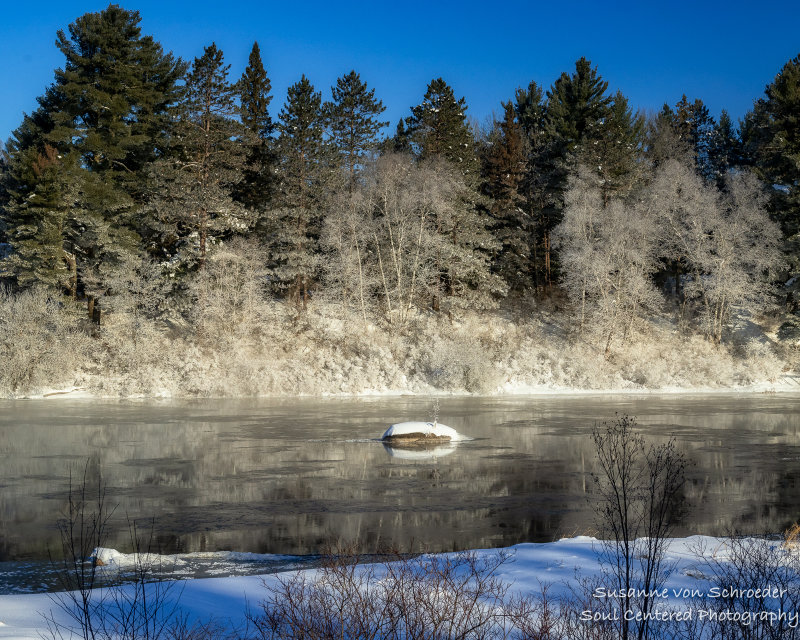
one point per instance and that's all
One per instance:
(577, 107)
(531, 112)
(110, 104)
(504, 177)
(724, 149)
(438, 128)
(192, 201)
(352, 119)
(613, 154)
(255, 190)
(304, 162)
(772, 138)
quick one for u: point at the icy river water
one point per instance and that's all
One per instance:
(292, 475)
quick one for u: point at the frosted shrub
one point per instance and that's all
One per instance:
(762, 362)
(40, 342)
(229, 292)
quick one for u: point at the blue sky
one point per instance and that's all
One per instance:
(722, 52)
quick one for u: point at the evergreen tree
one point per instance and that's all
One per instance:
(116, 91)
(438, 128)
(44, 190)
(613, 154)
(258, 183)
(110, 104)
(691, 125)
(192, 201)
(576, 110)
(772, 138)
(531, 113)
(399, 142)
(353, 125)
(577, 106)
(504, 169)
(724, 149)
(303, 165)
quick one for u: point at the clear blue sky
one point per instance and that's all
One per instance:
(722, 52)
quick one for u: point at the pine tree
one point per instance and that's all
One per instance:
(44, 190)
(353, 125)
(577, 106)
(531, 113)
(613, 154)
(399, 142)
(772, 138)
(117, 88)
(303, 164)
(691, 125)
(192, 201)
(504, 168)
(576, 110)
(724, 149)
(438, 128)
(256, 188)
(110, 104)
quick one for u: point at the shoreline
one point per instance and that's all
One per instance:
(81, 393)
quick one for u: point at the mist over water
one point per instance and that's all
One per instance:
(290, 476)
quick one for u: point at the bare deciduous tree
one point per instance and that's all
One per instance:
(726, 240)
(608, 255)
(640, 498)
(409, 240)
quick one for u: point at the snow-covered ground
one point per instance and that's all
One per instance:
(561, 565)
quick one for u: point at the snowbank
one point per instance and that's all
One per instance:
(559, 566)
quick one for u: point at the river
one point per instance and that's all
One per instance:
(288, 476)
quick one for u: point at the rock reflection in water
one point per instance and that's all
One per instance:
(288, 476)
(419, 451)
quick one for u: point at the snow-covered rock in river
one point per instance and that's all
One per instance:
(420, 433)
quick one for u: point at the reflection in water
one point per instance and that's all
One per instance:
(289, 476)
(419, 452)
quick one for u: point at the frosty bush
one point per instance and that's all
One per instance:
(454, 596)
(41, 344)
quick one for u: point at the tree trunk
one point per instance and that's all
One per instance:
(93, 309)
(72, 265)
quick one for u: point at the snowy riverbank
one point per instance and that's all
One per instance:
(561, 567)
(323, 353)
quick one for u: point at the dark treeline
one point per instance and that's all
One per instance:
(136, 163)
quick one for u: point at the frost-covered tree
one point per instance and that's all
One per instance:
(729, 246)
(229, 293)
(608, 254)
(406, 243)
(348, 254)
